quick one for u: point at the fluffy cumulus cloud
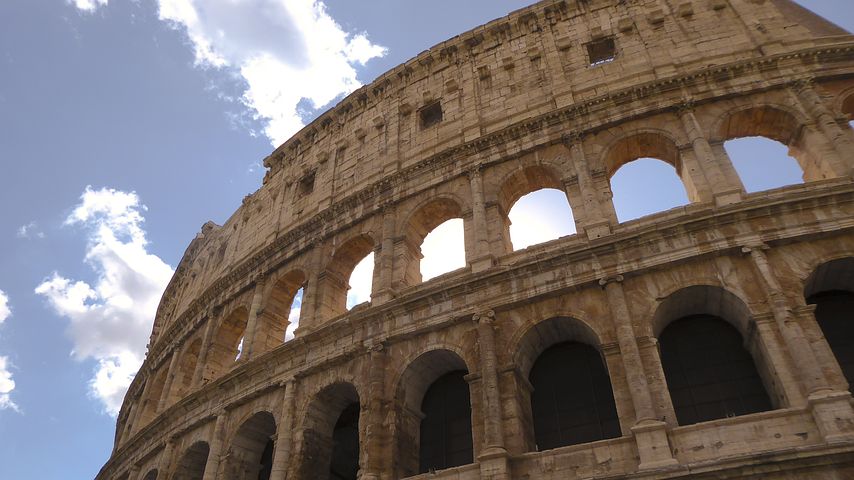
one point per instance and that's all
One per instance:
(287, 51)
(88, 5)
(111, 318)
(6, 382)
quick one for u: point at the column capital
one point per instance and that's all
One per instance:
(685, 106)
(604, 281)
(475, 171)
(802, 84)
(757, 247)
(486, 317)
(574, 137)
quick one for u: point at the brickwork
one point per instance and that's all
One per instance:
(556, 95)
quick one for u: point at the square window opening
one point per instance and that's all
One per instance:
(306, 185)
(602, 51)
(430, 115)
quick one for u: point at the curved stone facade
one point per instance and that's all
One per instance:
(557, 95)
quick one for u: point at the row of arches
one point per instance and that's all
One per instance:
(713, 365)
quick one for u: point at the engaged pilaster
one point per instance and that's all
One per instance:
(493, 458)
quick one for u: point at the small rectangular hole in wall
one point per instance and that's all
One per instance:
(430, 115)
(602, 51)
(306, 185)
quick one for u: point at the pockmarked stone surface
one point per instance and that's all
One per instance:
(714, 340)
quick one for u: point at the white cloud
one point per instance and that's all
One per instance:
(286, 50)
(30, 230)
(88, 5)
(111, 319)
(5, 309)
(6, 387)
(6, 382)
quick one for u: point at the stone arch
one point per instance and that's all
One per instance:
(223, 350)
(151, 402)
(189, 359)
(413, 386)
(273, 318)
(191, 466)
(830, 287)
(646, 149)
(424, 219)
(525, 180)
(708, 332)
(555, 357)
(330, 434)
(846, 104)
(781, 124)
(151, 475)
(334, 281)
(250, 452)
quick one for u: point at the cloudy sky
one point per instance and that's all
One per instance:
(127, 124)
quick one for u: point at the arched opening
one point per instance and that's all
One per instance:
(227, 344)
(571, 400)
(831, 289)
(646, 186)
(443, 249)
(151, 475)
(646, 174)
(446, 427)
(186, 368)
(348, 278)
(151, 403)
(709, 374)
(280, 314)
(435, 241)
(540, 216)
(191, 466)
(330, 437)
(250, 455)
(763, 164)
(535, 207)
(770, 138)
(434, 429)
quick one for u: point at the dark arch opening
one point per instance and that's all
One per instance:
(831, 289)
(250, 454)
(446, 433)
(227, 344)
(192, 463)
(572, 400)
(330, 437)
(277, 317)
(345, 445)
(710, 375)
(151, 475)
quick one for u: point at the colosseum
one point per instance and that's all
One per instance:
(712, 340)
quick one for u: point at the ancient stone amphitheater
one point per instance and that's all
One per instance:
(714, 340)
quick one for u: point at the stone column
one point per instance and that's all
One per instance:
(383, 274)
(716, 184)
(210, 328)
(167, 387)
(831, 410)
(493, 458)
(376, 438)
(284, 432)
(650, 433)
(143, 402)
(481, 259)
(134, 474)
(839, 139)
(215, 451)
(249, 337)
(599, 217)
(164, 466)
(777, 360)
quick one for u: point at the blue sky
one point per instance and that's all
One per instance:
(127, 124)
